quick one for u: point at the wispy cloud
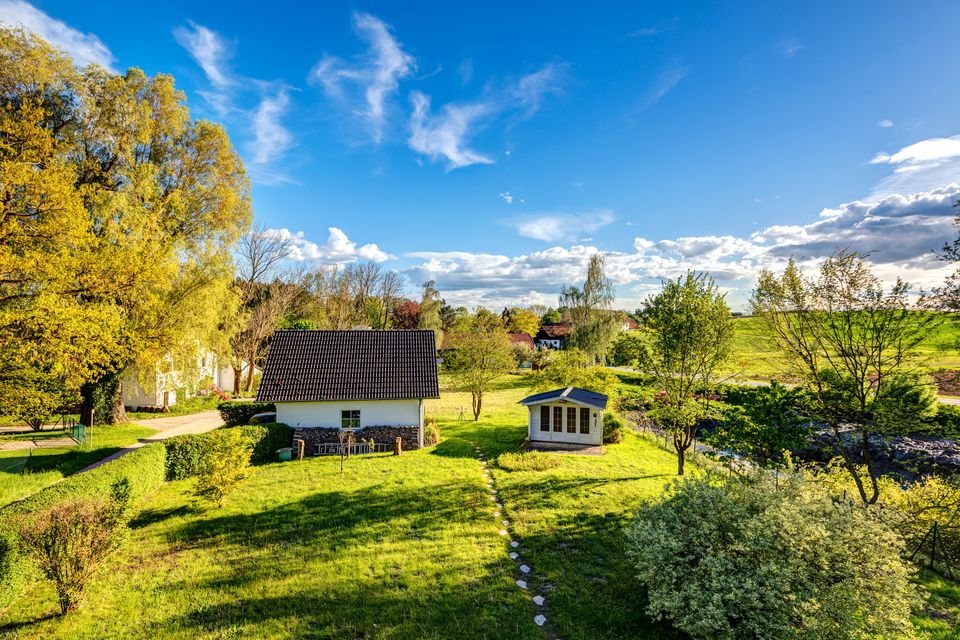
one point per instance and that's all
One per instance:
(507, 197)
(530, 90)
(84, 48)
(666, 81)
(256, 105)
(447, 134)
(923, 153)
(788, 47)
(557, 227)
(208, 49)
(885, 123)
(376, 74)
(920, 166)
(338, 249)
(659, 28)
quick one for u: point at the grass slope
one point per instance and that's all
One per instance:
(49, 465)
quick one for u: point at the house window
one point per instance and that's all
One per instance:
(558, 418)
(350, 419)
(584, 420)
(571, 420)
(544, 418)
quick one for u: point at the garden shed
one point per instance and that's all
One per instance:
(571, 415)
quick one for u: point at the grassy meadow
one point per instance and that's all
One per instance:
(396, 548)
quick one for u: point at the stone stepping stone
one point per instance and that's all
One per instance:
(492, 498)
(521, 584)
(524, 569)
(498, 505)
(514, 544)
(494, 492)
(539, 619)
(514, 555)
(538, 600)
(496, 514)
(506, 523)
(503, 532)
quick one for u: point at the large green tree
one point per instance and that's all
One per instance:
(594, 324)
(430, 317)
(480, 352)
(690, 334)
(854, 344)
(117, 214)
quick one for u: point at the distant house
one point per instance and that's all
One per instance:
(164, 385)
(553, 336)
(629, 324)
(521, 339)
(370, 382)
(570, 415)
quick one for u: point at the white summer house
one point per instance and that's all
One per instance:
(571, 415)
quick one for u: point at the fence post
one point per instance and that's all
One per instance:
(398, 446)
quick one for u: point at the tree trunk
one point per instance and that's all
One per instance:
(681, 459)
(477, 404)
(237, 380)
(250, 367)
(104, 398)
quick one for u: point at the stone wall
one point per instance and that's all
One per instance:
(312, 436)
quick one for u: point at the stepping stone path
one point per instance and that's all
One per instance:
(538, 600)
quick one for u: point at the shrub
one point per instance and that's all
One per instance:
(613, 428)
(70, 540)
(13, 573)
(527, 461)
(239, 413)
(431, 432)
(185, 454)
(766, 557)
(224, 466)
(265, 439)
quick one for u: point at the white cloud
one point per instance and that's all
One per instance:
(664, 84)
(921, 166)
(338, 249)
(377, 74)
(507, 197)
(530, 90)
(885, 123)
(556, 227)
(84, 48)
(925, 152)
(208, 49)
(446, 134)
(788, 47)
(272, 139)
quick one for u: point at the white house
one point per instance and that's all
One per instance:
(160, 387)
(571, 415)
(371, 382)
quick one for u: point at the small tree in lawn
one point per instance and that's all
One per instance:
(70, 541)
(691, 330)
(225, 465)
(480, 354)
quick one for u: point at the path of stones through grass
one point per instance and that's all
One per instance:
(513, 548)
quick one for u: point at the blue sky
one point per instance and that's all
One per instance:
(495, 147)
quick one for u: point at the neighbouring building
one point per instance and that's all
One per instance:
(370, 382)
(571, 415)
(553, 336)
(165, 385)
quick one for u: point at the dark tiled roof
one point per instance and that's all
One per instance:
(575, 394)
(521, 338)
(350, 365)
(557, 331)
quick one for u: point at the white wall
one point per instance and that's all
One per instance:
(373, 413)
(596, 426)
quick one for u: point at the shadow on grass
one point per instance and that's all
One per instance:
(12, 627)
(148, 517)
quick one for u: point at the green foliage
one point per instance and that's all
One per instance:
(69, 541)
(614, 427)
(528, 461)
(517, 320)
(480, 352)
(236, 413)
(13, 570)
(764, 422)
(568, 369)
(593, 324)
(626, 350)
(186, 454)
(429, 315)
(431, 431)
(224, 466)
(726, 558)
(946, 422)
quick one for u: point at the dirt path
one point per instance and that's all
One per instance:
(167, 428)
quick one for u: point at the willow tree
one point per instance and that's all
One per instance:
(853, 342)
(691, 331)
(117, 214)
(594, 324)
(430, 305)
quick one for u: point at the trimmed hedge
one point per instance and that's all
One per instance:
(236, 413)
(143, 468)
(186, 453)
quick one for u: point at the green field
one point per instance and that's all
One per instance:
(23, 472)
(399, 547)
(754, 357)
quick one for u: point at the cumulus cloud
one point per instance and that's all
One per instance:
(899, 232)
(445, 135)
(557, 227)
(921, 166)
(84, 48)
(338, 249)
(373, 77)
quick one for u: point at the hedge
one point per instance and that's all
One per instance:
(144, 468)
(236, 413)
(185, 453)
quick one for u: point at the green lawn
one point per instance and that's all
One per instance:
(402, 547)
(23, 473)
